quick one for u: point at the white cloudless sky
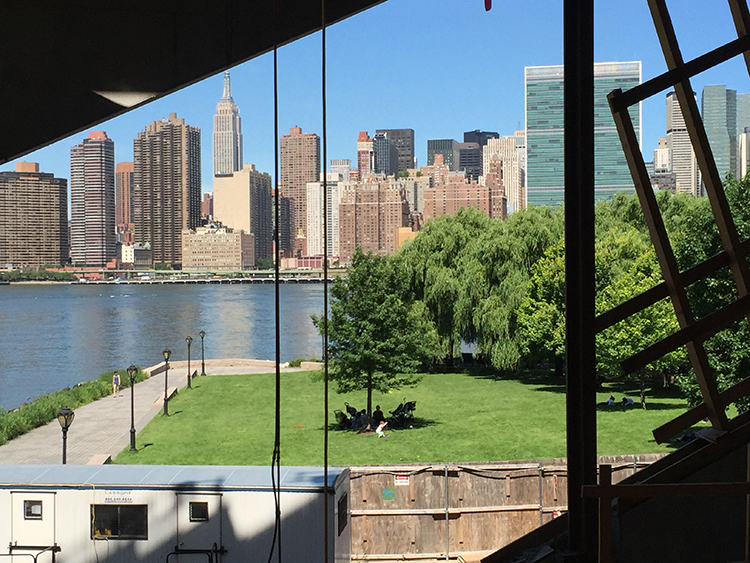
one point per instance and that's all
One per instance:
(440, 67)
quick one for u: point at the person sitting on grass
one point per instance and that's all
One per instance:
(627, 402)
(359, 420)
(379, 430)
(377, 416)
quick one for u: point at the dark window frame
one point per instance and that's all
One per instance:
(343, 512)
(198, 517)
(122, 518)
(28, 514)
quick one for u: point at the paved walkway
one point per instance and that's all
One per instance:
(102, 429)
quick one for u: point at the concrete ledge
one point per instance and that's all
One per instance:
(171, 392)
(99, 459)
(231, 362)
(311, 365)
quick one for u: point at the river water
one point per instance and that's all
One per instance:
(54, 336)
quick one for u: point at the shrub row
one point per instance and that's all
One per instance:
(45, 407)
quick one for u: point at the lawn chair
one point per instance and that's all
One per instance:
(342, 421)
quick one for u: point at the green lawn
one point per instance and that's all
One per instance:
(230, 420)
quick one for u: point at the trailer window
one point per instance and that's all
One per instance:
(199, 512)
(32, 510)
(343, 512)
(119, 521)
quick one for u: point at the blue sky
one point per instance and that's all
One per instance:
(440, 67)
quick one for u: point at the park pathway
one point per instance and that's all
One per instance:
(102, 429)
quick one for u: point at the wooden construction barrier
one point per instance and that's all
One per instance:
(423, 512)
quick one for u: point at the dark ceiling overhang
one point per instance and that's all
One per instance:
(67, 65)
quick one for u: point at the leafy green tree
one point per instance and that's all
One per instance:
(695, 238)
(495, 274)
(432, 265)
(376, 338)
(625, 265)
(265, 263)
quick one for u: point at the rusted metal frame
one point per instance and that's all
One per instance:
(698, 331)
(665, 256)
(668, 79)
(741, 17)
(699, 412)
(660, 291)
(699, 139)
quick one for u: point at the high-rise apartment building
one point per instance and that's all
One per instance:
(369, 215)
(315, 236)
(227, 133)
(167, 186)
(682, 156)
(242, 201)
(719, 113)
(93, 240)
(123, 194)
(448, 148)
(404, 141)
(661, 156)
(342, 167)
(300, 164)
(386, 155)
(457, 193)
(33, 218)
(207, 207)
(511, 173)
(545, 177)
(365, 155)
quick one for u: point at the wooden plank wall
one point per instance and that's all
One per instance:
(399, 512)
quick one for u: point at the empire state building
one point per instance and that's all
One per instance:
(227, 133)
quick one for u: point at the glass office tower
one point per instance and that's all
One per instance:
(544, 132)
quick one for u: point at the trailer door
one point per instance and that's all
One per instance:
(198, 527)
(32, 524)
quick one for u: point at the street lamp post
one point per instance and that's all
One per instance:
(65, 418)
(132, 370)
(189, 341)
(203, 357)
(166, 354)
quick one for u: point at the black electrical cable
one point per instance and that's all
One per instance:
(276, 456)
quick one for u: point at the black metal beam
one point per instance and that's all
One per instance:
(578, 21)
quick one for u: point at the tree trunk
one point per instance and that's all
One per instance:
(369, 399)
(642, 374)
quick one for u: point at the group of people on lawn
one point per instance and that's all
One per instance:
(359, 420)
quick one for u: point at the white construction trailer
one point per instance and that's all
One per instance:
(170, 514)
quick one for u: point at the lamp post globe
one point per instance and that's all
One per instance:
(203, 357)
(132, 371)
(166, 353)
(189, 340)
(65, 418)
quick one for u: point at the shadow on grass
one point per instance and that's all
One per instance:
(416, 422)
(650, 406)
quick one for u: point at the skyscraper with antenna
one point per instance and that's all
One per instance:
(227, 138)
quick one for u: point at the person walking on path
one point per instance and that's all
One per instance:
(116, 384)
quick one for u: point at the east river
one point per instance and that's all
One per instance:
(54, 336)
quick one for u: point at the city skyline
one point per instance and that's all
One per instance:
(404, 100)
